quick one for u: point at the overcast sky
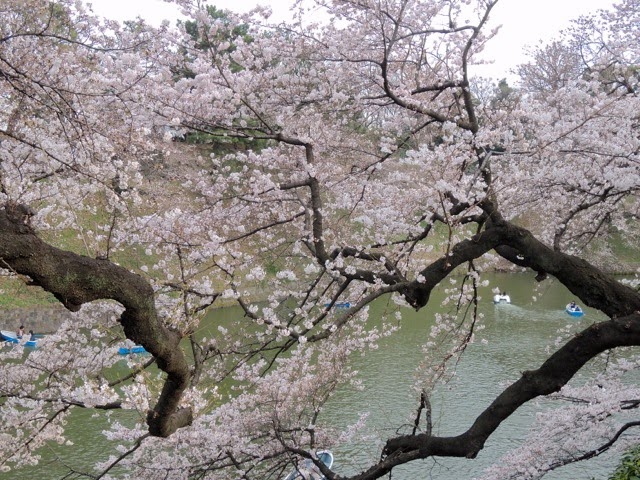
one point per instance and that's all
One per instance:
(524, 22)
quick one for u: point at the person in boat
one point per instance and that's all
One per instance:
(20, 332)
(572, 305)
(32, 336)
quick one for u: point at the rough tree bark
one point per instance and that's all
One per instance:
(554, 373)
(592, 286)
(75, 279)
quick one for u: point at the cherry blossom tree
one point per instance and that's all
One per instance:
(369, 168)
(551, 67)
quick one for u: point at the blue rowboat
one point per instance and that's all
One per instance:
(11, 337)
(134, 349)
(574, 310)
(339, 305)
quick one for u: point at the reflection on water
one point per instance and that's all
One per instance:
(88, 446)
(517, 337)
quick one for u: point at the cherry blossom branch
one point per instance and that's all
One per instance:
(264, 227)
(133, 373)
(552, 375)
(74, 280)
(70, 403)
(123, 456)
(597, 451)
(562, 228)
(593, 287)
(466, 91)
(50, 420)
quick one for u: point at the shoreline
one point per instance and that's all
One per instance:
(47, 318)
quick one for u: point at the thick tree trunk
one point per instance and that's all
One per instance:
(550, 377)
(588, 283)
(75, 279)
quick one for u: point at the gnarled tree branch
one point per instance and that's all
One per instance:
(75, 279)
(552, 375)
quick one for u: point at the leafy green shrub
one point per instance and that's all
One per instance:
(629, 468)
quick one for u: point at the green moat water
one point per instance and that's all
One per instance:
(516, 338)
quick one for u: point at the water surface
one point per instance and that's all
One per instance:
(515, 339)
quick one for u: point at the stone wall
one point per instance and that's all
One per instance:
(38, 319)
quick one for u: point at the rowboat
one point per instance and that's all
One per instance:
(308, 470)
(339, 305)
(129, 350)
(501, 298)
(574, 310)
(11, 337)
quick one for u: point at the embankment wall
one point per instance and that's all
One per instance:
(39, 319)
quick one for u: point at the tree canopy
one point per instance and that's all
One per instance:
(373, 164)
